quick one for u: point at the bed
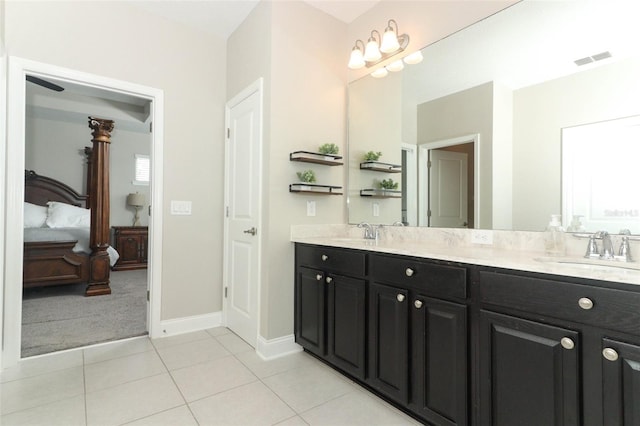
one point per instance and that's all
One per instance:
(66, 233)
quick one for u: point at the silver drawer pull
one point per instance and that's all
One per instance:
(400, 297)
(567, 343)
(318, 277)
(328, 280)
(585, 303)
(409, 272)
(610, 354)
(324, 257)
(417, 304)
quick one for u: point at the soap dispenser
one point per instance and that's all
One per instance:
(554, 237)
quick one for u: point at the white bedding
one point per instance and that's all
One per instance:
(65, 234)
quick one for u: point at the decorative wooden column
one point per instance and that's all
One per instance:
(99, 203)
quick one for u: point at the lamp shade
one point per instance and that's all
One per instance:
(356, 61)
(389, 41)
(414, 58)
(372, 51)
(136, 200)
(380, 72)
(396, 66)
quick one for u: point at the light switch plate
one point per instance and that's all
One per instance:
(180, 207)
(376, 209)
(311, 208)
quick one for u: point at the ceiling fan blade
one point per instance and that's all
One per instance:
(44, 83)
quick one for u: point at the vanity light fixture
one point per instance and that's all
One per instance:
(380, 72)
(378, 48)
(395, 66)
(413, 58)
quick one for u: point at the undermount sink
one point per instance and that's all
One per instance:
(591, 264)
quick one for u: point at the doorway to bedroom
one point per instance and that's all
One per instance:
(56, 315)
(52, 142)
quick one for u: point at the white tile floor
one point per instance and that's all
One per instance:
(205, 378)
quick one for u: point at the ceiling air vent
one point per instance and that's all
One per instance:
(583, 61)
(589, 59)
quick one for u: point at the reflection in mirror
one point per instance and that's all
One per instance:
(597, 179)
(511, 83)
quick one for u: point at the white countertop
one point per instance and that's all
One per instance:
(483, 255)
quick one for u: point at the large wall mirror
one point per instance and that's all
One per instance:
(489, 110)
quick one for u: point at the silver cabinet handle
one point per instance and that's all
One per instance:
(253, 231)
(417, 304)
(325, 257)
(409, 272)
(585, 303)
(400, 297)
(567, 343)
(328, 280)
(318, 277)
(610, 354)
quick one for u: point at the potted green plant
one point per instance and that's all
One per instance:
(329, 148)
(372, 156)
(307, 176)
(388, 184)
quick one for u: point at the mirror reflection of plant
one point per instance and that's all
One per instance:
(372, 156)
(329, 148)
(307, 176)
(388, 184)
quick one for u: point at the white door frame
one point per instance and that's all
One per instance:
(18, 68)
(423, 173)
(256, 86)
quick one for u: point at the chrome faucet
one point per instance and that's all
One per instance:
(607, 246)
(371, 232)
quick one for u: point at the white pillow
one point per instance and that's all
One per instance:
(34, 216)
(61, 215)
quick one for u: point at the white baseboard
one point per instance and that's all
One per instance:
(188, 324)
(275, 348)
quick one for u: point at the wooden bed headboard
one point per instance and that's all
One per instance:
(41, 189)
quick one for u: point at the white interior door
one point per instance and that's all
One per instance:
(448, 189)
(243, 228)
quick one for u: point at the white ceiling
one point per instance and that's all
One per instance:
(222, 17)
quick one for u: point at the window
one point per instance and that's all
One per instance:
(142, 169)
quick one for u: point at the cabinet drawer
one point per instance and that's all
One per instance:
(429, 278)
(611, 308)
(346, 262)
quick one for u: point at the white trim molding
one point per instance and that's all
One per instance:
(189, 324)
(275, 348)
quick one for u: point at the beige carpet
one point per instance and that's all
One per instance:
(58, 318)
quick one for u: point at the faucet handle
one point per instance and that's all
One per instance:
(625, 250)
(592, 248)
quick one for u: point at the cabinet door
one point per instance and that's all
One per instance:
(621, 383)
(529, 372)
(389, 341)
(129, 248)
(310, 310)
(346, 324)
(439, 360)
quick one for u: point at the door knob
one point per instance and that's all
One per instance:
(252, 231)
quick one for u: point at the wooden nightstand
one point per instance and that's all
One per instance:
(131, 244)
